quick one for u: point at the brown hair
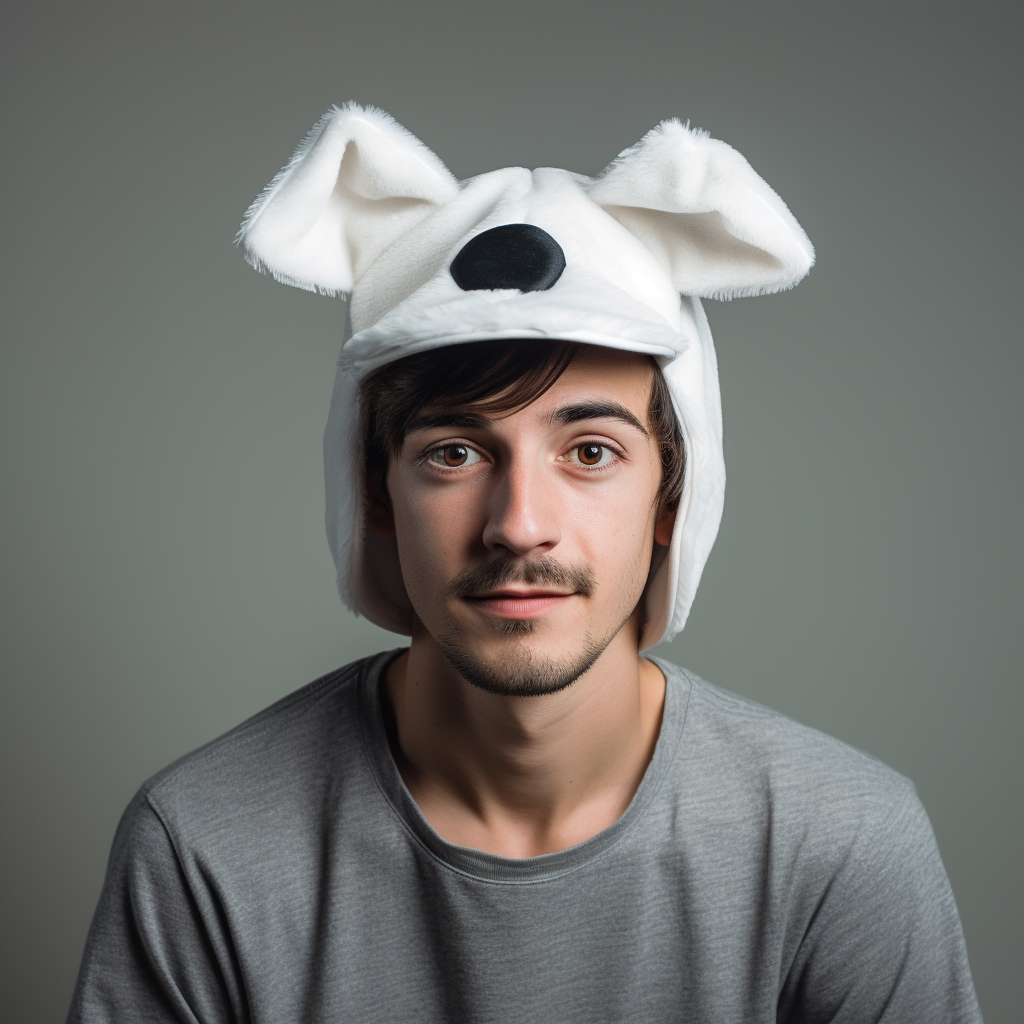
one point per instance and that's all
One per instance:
(492, 377)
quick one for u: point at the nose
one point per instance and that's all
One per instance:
(522, 512)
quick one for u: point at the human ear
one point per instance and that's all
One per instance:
(664, 525)
(380, 520)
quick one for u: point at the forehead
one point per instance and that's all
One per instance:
(626, 374)
(595, 376)
(594, 371)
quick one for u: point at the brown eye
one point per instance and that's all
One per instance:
(590, 454)
(455, 455)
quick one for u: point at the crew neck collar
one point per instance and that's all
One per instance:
(489, 866)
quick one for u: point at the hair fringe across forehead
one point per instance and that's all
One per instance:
(491, 377)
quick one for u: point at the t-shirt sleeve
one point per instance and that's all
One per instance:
(153, 954)
(884, 944)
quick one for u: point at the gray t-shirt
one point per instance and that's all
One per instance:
(763, 872)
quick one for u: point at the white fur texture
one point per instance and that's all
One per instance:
(718, 228)
(356, 182)
(364, 206)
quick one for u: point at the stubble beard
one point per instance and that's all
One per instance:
(519, 672)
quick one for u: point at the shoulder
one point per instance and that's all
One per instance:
(829, 832)
(272, 767)
(758, 764)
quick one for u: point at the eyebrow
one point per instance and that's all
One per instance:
(567, 414)
(596, 411)
(467, 420)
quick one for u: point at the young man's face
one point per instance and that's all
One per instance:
(525, 539)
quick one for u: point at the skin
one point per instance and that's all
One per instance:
(520, 775)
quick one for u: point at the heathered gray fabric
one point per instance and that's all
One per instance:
(763, 872)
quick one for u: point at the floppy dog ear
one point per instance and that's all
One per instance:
(705, 213)
(356, 183)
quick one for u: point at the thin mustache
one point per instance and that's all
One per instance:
(483, 579)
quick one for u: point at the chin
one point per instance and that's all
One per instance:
(516, 667)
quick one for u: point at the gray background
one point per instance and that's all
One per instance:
(165, 572)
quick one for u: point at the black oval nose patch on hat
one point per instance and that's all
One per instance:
(521, 256)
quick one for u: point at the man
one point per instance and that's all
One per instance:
(520, 817)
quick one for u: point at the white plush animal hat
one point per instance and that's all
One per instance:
(363, 208)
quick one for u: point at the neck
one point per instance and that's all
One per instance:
(522, 776)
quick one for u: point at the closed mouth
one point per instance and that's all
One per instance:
(508, 603)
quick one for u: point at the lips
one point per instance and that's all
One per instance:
(512, 588)
(520, 604)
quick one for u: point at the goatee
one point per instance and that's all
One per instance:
(520, 673)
